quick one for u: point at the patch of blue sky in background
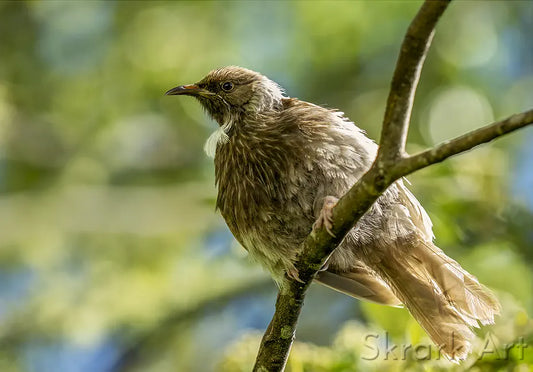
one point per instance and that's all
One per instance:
(74, 36)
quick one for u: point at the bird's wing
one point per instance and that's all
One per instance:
(419, 219)
(362, 283)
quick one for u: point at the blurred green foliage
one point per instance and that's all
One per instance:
(111, 255)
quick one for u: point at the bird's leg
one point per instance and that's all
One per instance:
(292, 273)
(325, 217)
(325, 265)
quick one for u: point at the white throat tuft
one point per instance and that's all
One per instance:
(219, 136)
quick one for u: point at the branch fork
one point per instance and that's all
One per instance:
(392, 163)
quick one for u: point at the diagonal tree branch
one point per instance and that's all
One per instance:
(277, 340)
(391, 164)
(405, 79)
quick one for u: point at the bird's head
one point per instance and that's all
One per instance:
(232, 92)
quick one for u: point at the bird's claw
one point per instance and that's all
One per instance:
(293, 274)
(325, 218)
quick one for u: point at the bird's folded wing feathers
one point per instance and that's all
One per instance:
(361, 283)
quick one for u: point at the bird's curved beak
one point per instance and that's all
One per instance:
(191, 90)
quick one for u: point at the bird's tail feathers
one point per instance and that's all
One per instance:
(444, 298)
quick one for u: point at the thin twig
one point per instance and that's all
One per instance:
(463, 143)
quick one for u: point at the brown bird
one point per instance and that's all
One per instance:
(281, 164)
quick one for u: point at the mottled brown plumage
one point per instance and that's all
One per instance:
(277, 160)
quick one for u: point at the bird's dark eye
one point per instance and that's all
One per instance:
(227, 86)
